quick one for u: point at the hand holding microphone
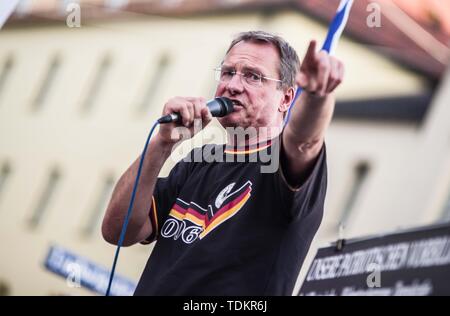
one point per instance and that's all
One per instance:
(184, 110)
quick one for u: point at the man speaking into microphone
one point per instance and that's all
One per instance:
(224, 226)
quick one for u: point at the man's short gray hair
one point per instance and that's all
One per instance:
(289, 61)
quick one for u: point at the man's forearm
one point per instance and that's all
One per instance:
(310, 118)
(157, 154)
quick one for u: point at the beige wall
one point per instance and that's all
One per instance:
(409, 181)
(88, 147)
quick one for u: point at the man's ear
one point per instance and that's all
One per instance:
(288, 97)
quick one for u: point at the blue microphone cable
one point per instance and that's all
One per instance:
(220, 107)
(130, 207)
(334, 33)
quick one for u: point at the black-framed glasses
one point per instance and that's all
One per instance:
(249, 77)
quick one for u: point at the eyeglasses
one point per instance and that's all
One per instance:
(249, 77)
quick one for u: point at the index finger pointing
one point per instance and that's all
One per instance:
(311, 52)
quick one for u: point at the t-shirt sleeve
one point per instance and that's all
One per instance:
(164, 195)
(310, 196)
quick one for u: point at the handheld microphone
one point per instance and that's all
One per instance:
(218, 107)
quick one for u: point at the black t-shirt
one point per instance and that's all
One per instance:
(231, 228)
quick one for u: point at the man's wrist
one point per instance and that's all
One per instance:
(317, 99)
(164, 146)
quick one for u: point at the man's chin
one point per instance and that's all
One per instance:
(226, 122)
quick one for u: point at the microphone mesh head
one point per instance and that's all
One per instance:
(227, 105)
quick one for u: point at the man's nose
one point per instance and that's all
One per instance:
(235, 85)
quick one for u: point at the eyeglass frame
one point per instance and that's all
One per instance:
(218, 70)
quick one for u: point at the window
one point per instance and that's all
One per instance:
(96, 84)
(154, 83)
(99, 207)
(5, 289)
(446, 211)
(5, 71)
(267, 17)
(360, 175)
(211, 83)
(46, 83)
(4, 175)
(45, 198)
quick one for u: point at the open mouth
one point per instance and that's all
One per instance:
(237, 103)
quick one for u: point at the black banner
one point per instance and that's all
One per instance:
(411, 263)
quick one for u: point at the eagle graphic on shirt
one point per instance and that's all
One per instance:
(190, 221)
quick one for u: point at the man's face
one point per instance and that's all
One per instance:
(260, 106)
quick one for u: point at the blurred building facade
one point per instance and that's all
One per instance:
(76, 105)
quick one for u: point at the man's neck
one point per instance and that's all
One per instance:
(261, 135)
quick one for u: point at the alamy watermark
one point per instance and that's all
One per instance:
(374, 17)
(73, 18)
(264, 150)
(73, 279)
(374, 278)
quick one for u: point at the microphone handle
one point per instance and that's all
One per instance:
(169, 118)
(218, 107)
